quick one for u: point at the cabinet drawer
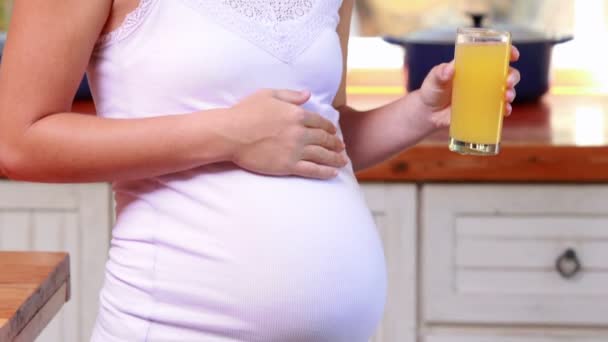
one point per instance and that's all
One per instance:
(531, 255)
(509, 254)
(512, 337)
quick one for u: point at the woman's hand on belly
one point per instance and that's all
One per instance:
(272, 134)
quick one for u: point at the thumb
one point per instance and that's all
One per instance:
(436, 89)
(442, 75)
(297, 98)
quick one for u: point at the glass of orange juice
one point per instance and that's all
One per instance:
(478, 104)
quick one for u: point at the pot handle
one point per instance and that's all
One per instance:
(477, 18)
(561, 40)
(394, 40)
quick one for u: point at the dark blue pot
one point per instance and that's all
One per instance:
(534, 63)
(83, 92)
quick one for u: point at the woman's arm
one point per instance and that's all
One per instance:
(375, 135)
(48, 48)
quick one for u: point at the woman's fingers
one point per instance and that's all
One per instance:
(297, 98)
(308, 169)
(442, 74)
(323, 156)
(513, 78)
(514, 53)
(509, 98)
(508, 109)
(447, 72)
(313, 120)
(439, 78)
(510, 95)
(321, 138)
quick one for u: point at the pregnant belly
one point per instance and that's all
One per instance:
(257, 258)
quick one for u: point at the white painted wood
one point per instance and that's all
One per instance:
(15, 227)
(395, 211)
(43, 318)
(528, 255)
(68, 217)
(47, 235)
(511, 337)
(489, 254)
(383, 332)
(479, 333)
(74, 307)
(553, 227)
(19, 195)
(94, 213)
(529, 283)
(48, 230)
(57, 231)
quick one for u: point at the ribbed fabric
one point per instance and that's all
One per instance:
(218, 253)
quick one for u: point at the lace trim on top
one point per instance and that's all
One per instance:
(271, 11)
(128, 26)
(284, 28)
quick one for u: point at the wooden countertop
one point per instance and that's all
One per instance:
(561, 138)
(33, 287)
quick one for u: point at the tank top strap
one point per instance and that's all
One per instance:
(128, 26)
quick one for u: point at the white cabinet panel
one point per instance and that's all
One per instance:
(395, 211)
(15, 229)
(514, 337)
(67, 217)
(490, 253)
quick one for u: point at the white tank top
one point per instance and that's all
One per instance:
(218, 253)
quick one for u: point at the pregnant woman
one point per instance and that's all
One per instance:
(223, 127)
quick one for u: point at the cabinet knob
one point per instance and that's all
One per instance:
(568, 264)
(400, 167)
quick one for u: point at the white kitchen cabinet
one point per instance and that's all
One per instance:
(489, 257)
(486, 272)
(505, 335)
(395, 211)
(67, 217)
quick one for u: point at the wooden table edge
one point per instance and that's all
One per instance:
(57, 281)
(43, 317)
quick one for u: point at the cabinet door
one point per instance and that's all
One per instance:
(511, 336)
(72, 218)
(394, 209)
(508, 255)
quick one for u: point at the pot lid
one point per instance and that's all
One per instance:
(447, 35)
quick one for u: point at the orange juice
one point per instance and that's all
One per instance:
(478, 103)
